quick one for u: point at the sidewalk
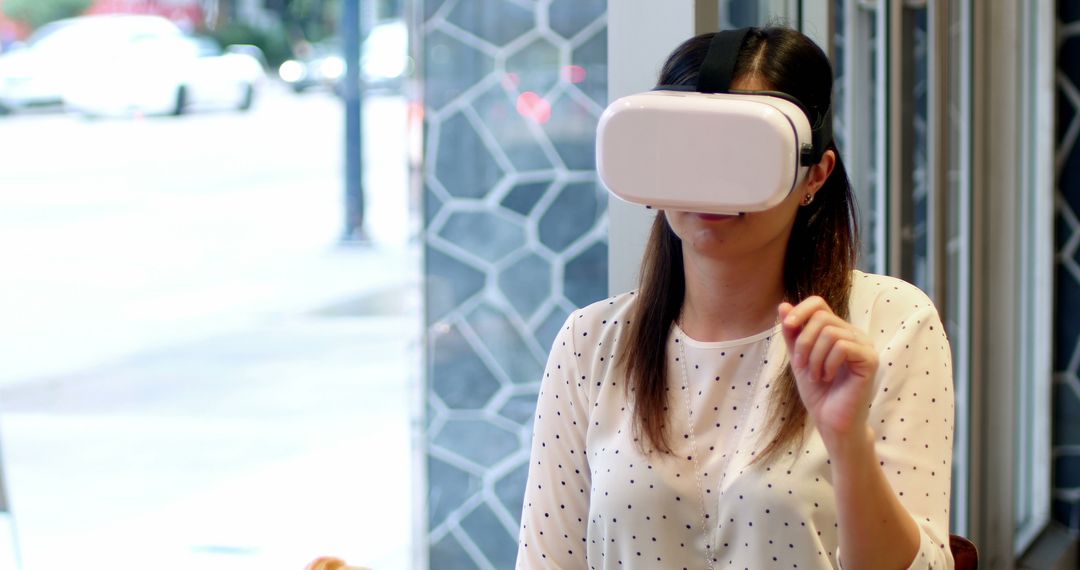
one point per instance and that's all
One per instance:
(194, 374)
(262, 448)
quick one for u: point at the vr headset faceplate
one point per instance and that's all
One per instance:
(706, 148)
(702, 152)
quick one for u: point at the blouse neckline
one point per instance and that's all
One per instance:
(726, 343)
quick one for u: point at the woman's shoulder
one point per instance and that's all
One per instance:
(875, 297)
(613, 310)
(592, 331)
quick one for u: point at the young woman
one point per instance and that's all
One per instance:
(757, 402)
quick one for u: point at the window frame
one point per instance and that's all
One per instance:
(1037, 261)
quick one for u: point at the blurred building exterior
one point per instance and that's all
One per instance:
(191, 15)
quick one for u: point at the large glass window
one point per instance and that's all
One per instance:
(859, 116)
(904, 127)
(196, 371)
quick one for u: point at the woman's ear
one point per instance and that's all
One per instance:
(820, 172)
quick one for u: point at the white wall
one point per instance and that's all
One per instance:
(640, 37)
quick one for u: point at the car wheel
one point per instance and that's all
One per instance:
(180, 102)
(247, 98)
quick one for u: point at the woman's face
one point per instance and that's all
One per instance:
(720, 236)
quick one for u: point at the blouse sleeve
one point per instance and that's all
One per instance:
(554, 516)
(912, 418)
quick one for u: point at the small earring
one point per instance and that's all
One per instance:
(807, 199)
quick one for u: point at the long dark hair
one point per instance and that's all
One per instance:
(820, 256)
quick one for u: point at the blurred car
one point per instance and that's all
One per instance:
(385, 61)
(318, 65)
(123, 64)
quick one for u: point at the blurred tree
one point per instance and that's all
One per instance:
(271, 40)
(307, 20)
(37, 13)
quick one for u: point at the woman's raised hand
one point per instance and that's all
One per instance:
(834, 365)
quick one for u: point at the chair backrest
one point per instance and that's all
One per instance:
(964, 553)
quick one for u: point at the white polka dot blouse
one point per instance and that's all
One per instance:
(594, 500)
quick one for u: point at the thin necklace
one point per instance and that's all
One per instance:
(710, 559)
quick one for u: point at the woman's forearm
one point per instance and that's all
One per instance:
(876, 531)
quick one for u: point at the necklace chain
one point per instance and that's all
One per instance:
(709, 557)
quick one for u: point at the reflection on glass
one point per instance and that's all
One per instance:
(856, 111)
(741, 13)
(914, 171)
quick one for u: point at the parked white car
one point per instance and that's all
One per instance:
(125, 64)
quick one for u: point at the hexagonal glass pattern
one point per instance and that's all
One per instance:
(449, 282)
(573, 213)
(465, 165)
(526, 284)
(522, 197)
(584, 279)
(1066, 395)
(457, 374)
(511, 489)
(496, 21)
(506, 344)
(498, 109)
(572, 129)
(569, 17)
(510, 206)
(478, 441)
(494, 540)
(534, 67)
(484, 234)
(592, 78)
(548, 329)
(450, 487)
(451, 67)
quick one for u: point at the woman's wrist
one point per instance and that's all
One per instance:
(850, 449)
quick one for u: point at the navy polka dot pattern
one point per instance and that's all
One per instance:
(594, 500)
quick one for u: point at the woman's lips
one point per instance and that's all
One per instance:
(717, 217)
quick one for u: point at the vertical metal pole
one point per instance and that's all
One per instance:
(352, 93)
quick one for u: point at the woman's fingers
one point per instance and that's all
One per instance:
(837, 357)
(798, 315)
(794, 318)
(824, 346)
(812, 332)
(808, 338)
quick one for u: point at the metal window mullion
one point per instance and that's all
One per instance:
(1037, 191)
(1044, 56)
(962, 361)
(937, 151)
(995, 267)
(888, 148)
(1021, 484)
(859, 122)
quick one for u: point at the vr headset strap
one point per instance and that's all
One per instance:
(719, 65)
(718, 69)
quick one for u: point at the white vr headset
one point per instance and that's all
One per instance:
(706, 148)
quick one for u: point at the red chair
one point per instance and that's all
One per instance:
(964, 553)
